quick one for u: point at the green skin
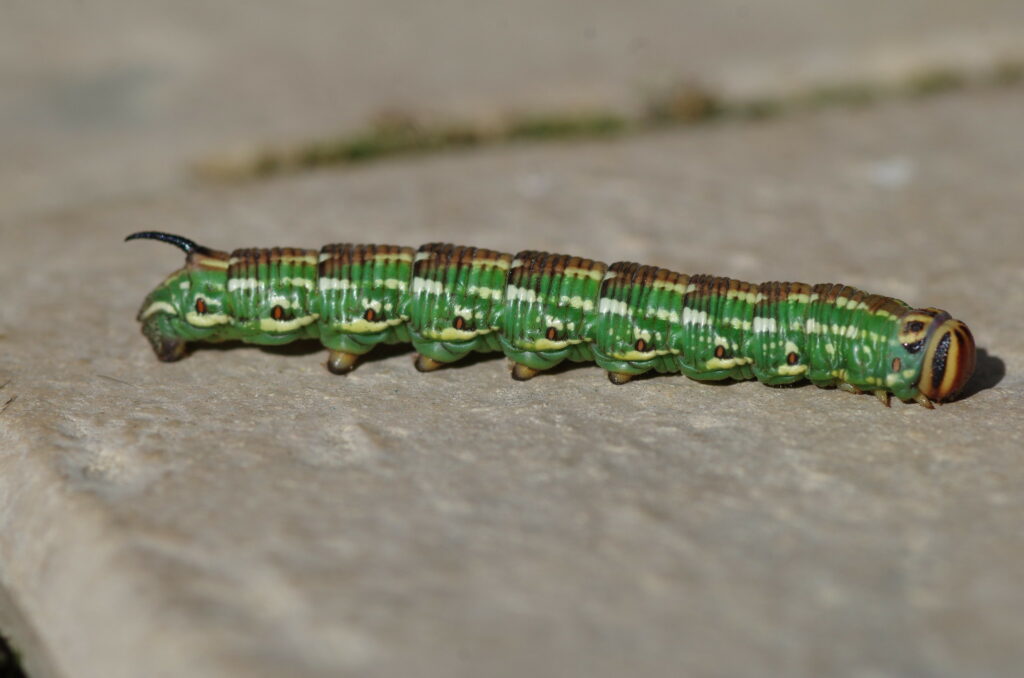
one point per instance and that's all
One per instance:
(537, 312)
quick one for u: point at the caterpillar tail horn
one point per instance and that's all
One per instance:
(184, 244)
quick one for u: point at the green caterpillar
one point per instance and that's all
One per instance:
(540, 309)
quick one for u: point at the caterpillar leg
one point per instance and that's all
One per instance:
(883, 397)
(848, 387)
(167, 347)
(425, 364)
(521, 372)
(341, 362)
(922, 399)
(169, 350)
(619, 378)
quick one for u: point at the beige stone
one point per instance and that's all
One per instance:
(246, 513)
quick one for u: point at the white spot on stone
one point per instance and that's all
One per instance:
(891, 173)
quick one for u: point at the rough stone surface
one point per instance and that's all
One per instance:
(245, 513)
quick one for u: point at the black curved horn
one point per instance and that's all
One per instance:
(187, 246)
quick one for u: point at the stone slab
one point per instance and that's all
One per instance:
(245, 513)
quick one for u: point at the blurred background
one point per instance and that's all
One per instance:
(108, 98)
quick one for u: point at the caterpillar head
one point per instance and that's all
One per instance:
(937, 353)
(189, 304)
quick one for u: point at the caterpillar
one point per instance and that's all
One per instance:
(540, 309)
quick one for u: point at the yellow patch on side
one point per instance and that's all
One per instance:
(271, 325)
(726, 363)
(364, 326)
(452, 334)
(207, 319)
(546, 344)
(634, 356)
(157, 307)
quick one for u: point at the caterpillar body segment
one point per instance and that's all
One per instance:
(540, 309)
(360, 300)
(548, 298)
(190, 304)
(272, 294)
(455, 301)
(637, 325)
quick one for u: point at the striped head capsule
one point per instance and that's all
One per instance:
(934, 356)
(189, 305)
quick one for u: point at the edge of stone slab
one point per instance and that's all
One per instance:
(62, 582)
(23, 640)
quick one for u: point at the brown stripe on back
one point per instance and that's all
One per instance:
(245, 261)
(740, 286)
(709, 285)
(444, 256)
(646, 276)
(534, 263)
(207, 260)
(242, 259)
(634, 284)
(346, 254)
(625, 271)
(877, 302)
(774, 292)
(628, 274)
(829, 292)
(668, 277)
